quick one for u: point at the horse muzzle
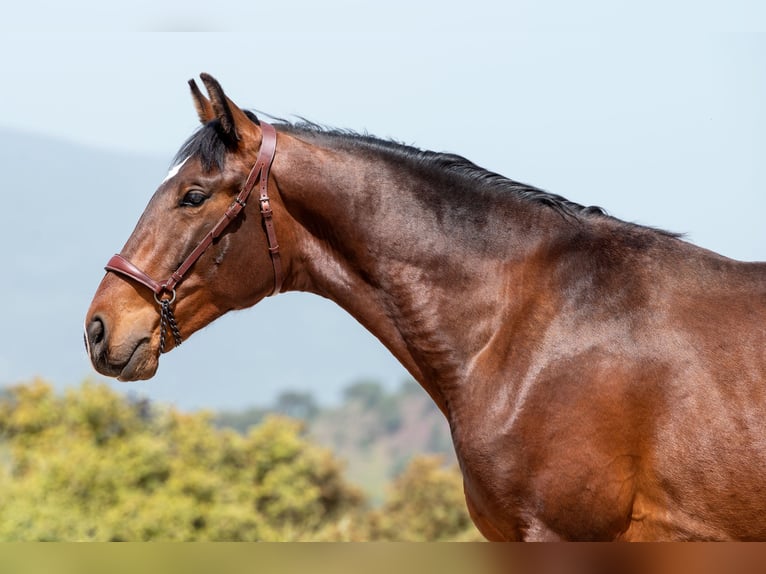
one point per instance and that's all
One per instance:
(132, 358)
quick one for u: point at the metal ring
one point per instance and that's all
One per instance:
(170, 301)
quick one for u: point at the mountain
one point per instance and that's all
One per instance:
(66, 209)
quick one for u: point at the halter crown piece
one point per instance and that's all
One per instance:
(165, 291)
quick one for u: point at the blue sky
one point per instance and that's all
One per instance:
(653, 110)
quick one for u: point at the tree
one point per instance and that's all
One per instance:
(294, 404)
(297, 405)
(92, 465)
(425, 503)
(368, 393)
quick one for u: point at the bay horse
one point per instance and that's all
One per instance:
(602, 380)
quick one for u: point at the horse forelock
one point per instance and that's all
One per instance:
(208, 145)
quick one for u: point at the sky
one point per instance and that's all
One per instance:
(652, 110)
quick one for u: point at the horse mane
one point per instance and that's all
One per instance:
(450, 165)
(207, 144)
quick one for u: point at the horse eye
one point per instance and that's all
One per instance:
(193, 198)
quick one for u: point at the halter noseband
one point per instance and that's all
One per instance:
(259, 173)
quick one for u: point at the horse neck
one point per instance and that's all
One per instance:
(415, 277)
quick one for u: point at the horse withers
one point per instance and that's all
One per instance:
(602, 380)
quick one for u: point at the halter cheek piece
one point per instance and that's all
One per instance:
(165, 291)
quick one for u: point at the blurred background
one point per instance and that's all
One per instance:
(653, 111)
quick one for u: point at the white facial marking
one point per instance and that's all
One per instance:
(87, 342)
(174, 170)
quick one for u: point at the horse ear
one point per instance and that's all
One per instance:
(204, 108)
(233, 119)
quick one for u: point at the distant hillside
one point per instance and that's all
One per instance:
(375, 431)
(65, 207)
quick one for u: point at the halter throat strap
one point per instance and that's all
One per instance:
(258, 174)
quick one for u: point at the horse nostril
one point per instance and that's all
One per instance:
(96, 331)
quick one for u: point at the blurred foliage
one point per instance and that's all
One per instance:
(91, 464)
(375, 430)
(294, 404)
(425, 504)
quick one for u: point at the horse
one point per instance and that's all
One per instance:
(602, 380)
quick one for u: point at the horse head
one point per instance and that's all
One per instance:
(194, 231)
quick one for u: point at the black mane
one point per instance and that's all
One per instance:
(207, 144)
(446, 163)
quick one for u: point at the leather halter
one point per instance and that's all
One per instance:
(258, 174)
